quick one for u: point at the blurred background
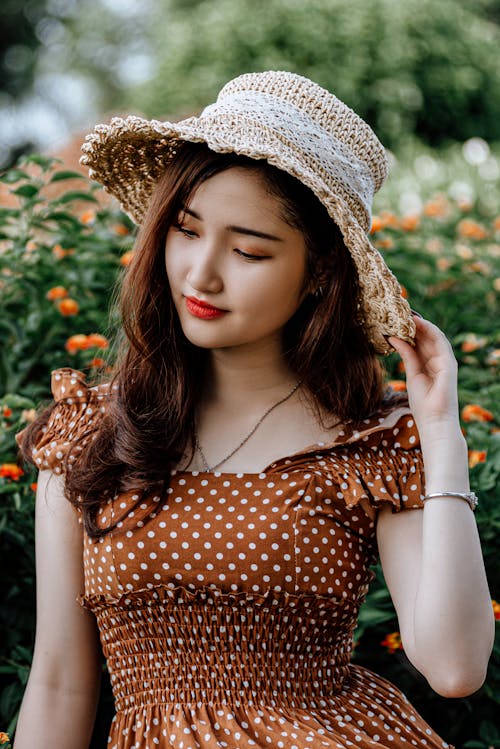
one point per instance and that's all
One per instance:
(424, 73)
(419, 68)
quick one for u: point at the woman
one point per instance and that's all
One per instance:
(234, 481)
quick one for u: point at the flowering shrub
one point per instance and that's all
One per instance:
(58, 265)
(59, 262)
(446, 253)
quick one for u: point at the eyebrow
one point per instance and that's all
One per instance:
(238, 229)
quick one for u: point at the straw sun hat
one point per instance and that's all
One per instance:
(298, 127)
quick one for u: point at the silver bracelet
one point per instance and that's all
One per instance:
(469, 497)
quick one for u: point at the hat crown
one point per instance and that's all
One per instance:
(325, 109)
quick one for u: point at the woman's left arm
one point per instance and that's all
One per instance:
(431, 558)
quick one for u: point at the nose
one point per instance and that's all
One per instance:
(204, 272)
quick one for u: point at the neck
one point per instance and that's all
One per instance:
(253, 374)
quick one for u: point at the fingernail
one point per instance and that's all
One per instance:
(417, 314)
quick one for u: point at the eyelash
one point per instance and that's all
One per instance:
(245, 255)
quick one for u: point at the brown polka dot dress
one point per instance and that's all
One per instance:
(226, 613)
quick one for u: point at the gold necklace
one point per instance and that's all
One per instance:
(197, 445)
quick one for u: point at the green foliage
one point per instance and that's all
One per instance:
(415, 67)
(45, 244)
(447, 256)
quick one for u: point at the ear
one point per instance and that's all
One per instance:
(317, 283)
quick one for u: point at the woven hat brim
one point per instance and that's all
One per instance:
(128, 157)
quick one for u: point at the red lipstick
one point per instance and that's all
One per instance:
(202, 309)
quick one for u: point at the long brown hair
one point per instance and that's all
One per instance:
(150, 416)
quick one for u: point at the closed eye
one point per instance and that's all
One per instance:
(249, 256)
(183, 230)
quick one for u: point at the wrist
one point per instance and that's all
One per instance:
(446, 464)
(441, 430)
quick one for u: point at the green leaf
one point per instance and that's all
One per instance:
(17, 401)
(76, 195)
(13, 176)
(9, 213)
(60, 176)
(26, 191)
(63, 217)
(45, 162)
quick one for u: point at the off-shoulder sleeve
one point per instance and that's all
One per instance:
(391, 470)
(75, 414)
(379, 463)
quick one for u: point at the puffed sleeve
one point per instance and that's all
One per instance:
(72, 421)
(391, 469)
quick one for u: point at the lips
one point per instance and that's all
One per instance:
(201, 309)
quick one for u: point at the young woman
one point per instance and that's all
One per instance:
(231, 485)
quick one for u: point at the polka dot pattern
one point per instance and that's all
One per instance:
(226, 609)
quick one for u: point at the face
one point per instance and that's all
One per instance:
(236, 268)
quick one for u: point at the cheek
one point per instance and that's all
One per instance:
(275, 297)
(173, 265)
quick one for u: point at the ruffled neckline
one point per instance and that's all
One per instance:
(70, 386)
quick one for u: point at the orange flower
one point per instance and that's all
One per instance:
(121, 230)
(476, 457)
(398, 385)
(56, 292)
(472, 343)
(392, 642)
(464, 251)
(404, 292)
(96, 362)
(479, 266)
(59, 253)
(443, 263)
(389, 219)
(496, 223)
(97, 340)
(87, 217)
(377, 225)
(473, 412)
(78, 342)
(68, 307)
(496, 608)
(34, 486)
(7, 412)
(385, 244)
(437, 207)
(493, 357)
(471, 229)
(11, 471)
(127, 258)
(410, 223)
(31, 245)
(401, 366)
(4, 737)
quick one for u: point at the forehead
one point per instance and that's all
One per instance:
(237, 190)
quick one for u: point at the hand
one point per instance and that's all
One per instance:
(431, 377)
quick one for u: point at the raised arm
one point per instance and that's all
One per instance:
(60, 700)
(431, 558)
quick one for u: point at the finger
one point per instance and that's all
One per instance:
(409, 355)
